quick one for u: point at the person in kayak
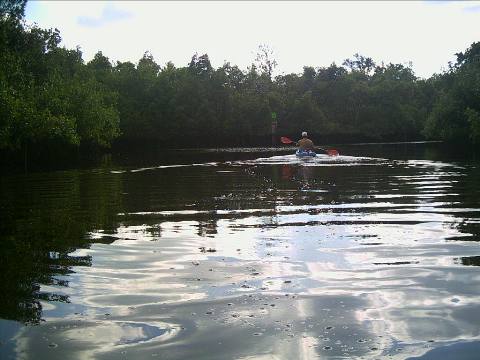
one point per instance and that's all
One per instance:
(305, 144)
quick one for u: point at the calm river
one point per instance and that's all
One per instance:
(245, 254)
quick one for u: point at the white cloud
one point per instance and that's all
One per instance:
(109, 14)
(300, 33)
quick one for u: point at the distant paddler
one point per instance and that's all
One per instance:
(305, 144)
(306, 147)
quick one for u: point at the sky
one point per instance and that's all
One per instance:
(299, 33)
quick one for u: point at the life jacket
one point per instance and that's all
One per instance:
(305, 144)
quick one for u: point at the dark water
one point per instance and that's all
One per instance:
(247, 254)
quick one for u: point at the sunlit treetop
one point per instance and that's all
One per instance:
(15, 8)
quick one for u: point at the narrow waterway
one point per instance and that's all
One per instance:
(245, 255)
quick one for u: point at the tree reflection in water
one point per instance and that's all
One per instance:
(44, 218)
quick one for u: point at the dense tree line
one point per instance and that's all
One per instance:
(49, 95)
(455, 115)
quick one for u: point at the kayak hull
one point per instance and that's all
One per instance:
(305, 153)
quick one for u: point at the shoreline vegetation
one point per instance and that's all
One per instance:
(54, 105)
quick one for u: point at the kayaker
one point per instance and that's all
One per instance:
(305, 144)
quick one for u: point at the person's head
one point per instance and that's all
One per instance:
(304, 134)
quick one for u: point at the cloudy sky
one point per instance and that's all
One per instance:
(310, 33)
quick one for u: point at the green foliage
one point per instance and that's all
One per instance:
(473, 118)
(470, 56)
(454, 116)
(48, 94)
(13, 8)
(362, 64)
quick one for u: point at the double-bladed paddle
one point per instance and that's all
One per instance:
(331, 152)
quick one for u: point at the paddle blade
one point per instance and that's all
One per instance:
(286, 140)
(332, 152)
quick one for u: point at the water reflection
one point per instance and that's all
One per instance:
(44, 218)
(269, 257)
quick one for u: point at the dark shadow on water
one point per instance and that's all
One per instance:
(469, 261)
(45, 217)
